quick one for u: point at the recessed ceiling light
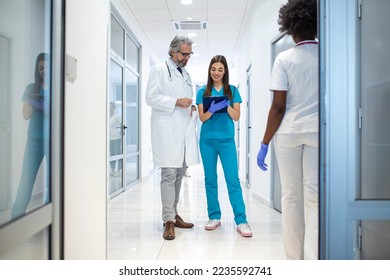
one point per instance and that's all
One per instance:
(186, 2)
(192, 34)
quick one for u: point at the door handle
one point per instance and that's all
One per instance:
(124, 127)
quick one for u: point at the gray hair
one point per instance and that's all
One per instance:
(177, 42)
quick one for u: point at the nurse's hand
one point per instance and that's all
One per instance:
(214, 107)
(183, 102)
(261, 156)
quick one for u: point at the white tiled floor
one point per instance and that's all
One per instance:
(135, 227)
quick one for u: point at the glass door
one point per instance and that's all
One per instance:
(123, 109)
(374, 126)
(354, 131)
(115, 128)
(30, 129)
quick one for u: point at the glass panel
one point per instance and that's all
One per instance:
(132, 129)
(131, 53)
(376, 240)
(35, 248)
(116, 124)
(131, 87)
(25, 71)
(117, 37)
(131, 169)
(375, 100)
(116, 181)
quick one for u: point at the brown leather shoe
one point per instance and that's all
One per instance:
(181, 224)
(169, 231)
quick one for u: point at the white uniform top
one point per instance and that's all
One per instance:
(169, 123)
(296, 71)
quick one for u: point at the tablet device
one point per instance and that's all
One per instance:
(207, 102)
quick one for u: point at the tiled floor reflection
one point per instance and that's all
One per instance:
(135, 227)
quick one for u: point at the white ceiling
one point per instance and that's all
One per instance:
(225, 23)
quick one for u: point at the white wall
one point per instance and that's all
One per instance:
(255, 50)
(85, 164)
(87, 39)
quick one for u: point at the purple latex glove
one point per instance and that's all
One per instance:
(261, 157)
(214, 107)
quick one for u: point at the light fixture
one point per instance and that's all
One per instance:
(186, 2)
(192, 34)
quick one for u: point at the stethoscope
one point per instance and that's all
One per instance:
(170, 75)
(169, 71)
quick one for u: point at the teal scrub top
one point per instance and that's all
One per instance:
(220, 125)
(39, 122)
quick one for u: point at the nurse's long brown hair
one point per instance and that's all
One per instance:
(225, 79)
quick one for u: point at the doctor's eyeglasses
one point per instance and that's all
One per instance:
(185, 55)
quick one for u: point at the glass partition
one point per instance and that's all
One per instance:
(25, 94)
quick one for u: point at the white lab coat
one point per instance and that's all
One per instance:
(191, 140)
(168, 122)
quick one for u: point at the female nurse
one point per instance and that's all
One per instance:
(217, 140)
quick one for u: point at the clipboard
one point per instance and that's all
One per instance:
(207, 102)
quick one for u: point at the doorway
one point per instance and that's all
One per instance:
(123, 107)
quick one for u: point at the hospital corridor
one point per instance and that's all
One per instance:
(92, 92)
(135, 227)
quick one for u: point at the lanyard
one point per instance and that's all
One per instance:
(306, 43)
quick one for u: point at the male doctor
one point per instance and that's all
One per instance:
(169, 93)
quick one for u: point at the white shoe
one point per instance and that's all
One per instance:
(212, 224)
(244, 230)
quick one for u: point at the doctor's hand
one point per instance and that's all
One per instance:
(183, 102)
(214, 107)
(261, 156)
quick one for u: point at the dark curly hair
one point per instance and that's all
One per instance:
(299, 19)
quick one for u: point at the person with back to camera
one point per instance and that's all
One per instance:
(293, 120)
(36, 104)
(169, 92)
(217, 140)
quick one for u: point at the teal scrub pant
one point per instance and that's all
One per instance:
(210, 149)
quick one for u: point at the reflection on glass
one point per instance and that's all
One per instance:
(36, 110)
(116, 128)
(131, 87)
(132, 130)
(115, 139)
(116, 178)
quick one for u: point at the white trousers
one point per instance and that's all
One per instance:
(297, 156)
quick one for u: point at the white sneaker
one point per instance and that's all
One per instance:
(212, 224)
(244, 230)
